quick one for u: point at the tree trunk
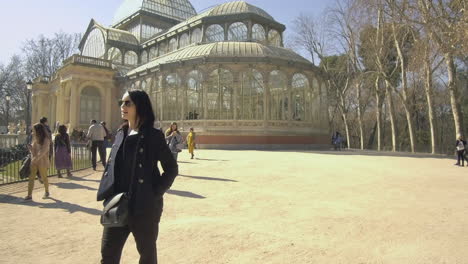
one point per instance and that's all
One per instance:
(404, 83)
(392, 115)
(359, 115)
(370, 143)
(453, 91)
(345, 119)
(379, 102)
(430, 104)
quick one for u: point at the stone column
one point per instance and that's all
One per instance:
(59, 111)
(235, 93)
(266, 97)
(290, 102)
(74, 103)
(163, 91)
(226, 31)
(107, 103)
(183, 94)
(249, 30)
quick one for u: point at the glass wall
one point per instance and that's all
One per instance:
(220, 93)
(194, 96)
(279, 96)
(251, 100)
(196, 36)
(172, 44)
(114, 55)
(95, 45)
(90, 105)
(184, 40)
(274, 38)
(173, 99)
(301, 96)
(131, 58)
(176, 9)
(214, 33)
(237, 32)
(144, 57)
(258, 33)
(153, 53)
(135, 30)
(162, 48)
(148, 31)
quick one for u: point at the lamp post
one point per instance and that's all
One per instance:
(29, 85)
(7, 110)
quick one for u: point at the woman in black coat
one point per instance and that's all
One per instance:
(132, 165)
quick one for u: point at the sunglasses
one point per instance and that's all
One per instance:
(126, 103)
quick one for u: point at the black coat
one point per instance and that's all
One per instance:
(148, 182)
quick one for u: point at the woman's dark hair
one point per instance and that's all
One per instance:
(62, 129)
(144, 109)
(41, 133)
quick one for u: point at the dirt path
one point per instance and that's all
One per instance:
(262, 207)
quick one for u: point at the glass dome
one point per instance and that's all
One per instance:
(176, 9)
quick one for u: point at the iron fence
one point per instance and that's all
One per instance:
(11, 161)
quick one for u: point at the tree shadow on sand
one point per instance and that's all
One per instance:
(186, 194)
(353, 152)
(210, 159)
(206, 178)
(72, 186)
(66, 206)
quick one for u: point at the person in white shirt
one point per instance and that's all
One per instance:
(96, 134)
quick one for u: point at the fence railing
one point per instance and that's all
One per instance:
(84, 60)
(11, 160)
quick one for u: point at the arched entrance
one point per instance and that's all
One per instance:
(90, 105)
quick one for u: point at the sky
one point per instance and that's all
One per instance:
(27, 19)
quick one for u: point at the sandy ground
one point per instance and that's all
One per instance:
(262, 207)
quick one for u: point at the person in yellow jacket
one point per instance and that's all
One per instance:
(191, 141)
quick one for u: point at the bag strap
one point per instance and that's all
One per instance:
(114, 201)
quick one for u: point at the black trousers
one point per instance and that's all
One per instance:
(98, 145)
(461, 156)
(145, 230)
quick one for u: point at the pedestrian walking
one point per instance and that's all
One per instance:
(96, 134)
(138, 147)
(62, 151)
(461, 149)
(191, 142)
(45, 123)
(107, 137)
(174, 139)
(39, 159)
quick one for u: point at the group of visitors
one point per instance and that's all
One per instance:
(176, 143)
(41, 147)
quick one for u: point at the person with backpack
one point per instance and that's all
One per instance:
(461, 146)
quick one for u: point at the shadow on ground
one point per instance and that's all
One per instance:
(186, 194)
(206, 178)
(72, 186)
(66, 206)
(210, 159)
(353, 152)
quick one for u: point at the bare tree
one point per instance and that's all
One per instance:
(44, 56)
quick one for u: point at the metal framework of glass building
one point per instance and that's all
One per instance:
(223, 71)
